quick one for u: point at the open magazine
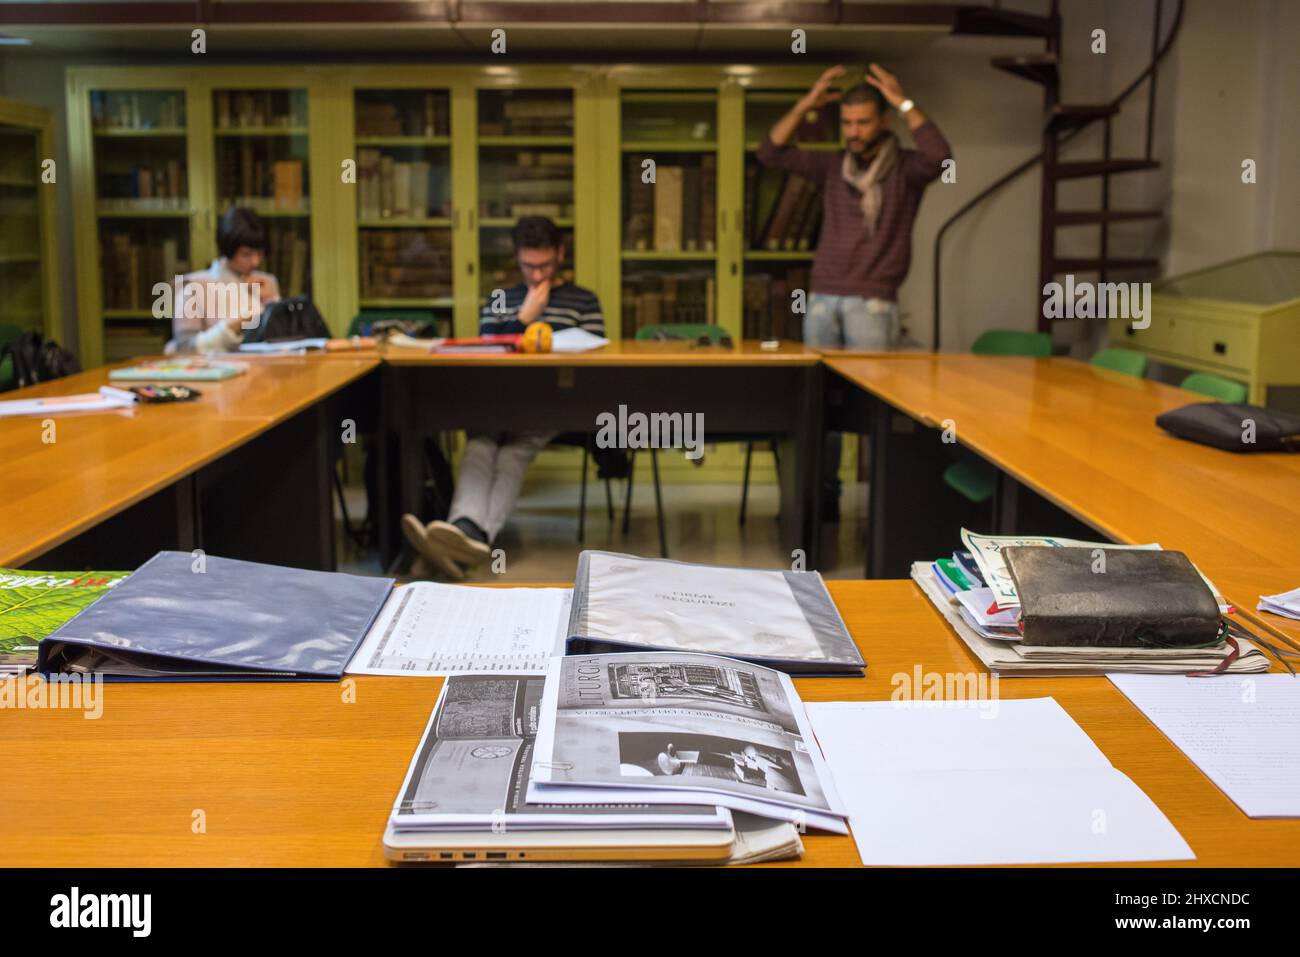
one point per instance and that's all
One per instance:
(472, 768)
(664, 727)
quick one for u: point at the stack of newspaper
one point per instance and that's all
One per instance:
(468, 788)
(977, 596)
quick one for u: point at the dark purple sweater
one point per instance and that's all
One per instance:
(848, 261)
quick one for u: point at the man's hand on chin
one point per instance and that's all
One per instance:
(535, 301)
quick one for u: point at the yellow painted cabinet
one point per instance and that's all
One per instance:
(29, 297)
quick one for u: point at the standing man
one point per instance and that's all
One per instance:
(870, 195)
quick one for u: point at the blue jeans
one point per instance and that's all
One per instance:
(846, 322)
(850, 322)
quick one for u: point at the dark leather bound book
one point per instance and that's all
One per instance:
(1111, 598)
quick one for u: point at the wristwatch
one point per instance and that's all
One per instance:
(905, 106)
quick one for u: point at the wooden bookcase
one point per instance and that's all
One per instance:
(29, 291)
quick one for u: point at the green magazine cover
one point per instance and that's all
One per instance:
(34, 604)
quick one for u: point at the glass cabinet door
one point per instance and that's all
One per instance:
(782, 216)
(143, 208)
(21, 278)
(261, 162)
(525, 168)
(669, 180)
(404, 204)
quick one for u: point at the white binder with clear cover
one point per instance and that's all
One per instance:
(782, 619)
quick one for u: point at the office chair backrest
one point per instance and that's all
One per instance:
(1216, 387)
(1011, 342)
(1126, 361)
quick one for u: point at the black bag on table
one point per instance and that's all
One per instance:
(1234, 426)
(294, 318)
(37, 359)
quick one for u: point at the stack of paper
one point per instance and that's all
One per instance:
(1287, 604)
(1006, 656)
(1001, 782)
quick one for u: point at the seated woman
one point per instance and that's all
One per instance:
(219, 302)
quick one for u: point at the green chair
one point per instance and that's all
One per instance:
(1126, 361)
(972, 478)
(1012, 342)
(1216, 387)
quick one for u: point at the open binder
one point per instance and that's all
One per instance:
(784, 620)
(179, 617)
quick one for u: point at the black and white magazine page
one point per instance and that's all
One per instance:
(669, 726)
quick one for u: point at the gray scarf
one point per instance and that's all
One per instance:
(868, 179)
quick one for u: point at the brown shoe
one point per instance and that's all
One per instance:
(452, 541)
(413, 531)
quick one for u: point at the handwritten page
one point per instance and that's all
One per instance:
(1243, 732)
(989, 782)
(431, 629)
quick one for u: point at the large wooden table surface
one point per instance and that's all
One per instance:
(293, 774)
(1086, 439)
(102, 463)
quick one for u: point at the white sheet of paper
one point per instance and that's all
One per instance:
(107, 398)
(576, 340)
(1286, 604)
(431, 629)
(1243, 732)
(1000, 782)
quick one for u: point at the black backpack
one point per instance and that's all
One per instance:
(37, 359)
(294, 318)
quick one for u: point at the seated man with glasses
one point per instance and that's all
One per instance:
(493, 467)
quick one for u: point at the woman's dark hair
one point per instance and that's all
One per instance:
(240, 226)
(537, 232)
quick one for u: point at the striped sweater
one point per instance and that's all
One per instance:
(568, 306)
(849, 262)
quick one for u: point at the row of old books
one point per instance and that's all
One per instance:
(159, 185)
(135, 111)
(259, 109)
(767, 308)
(288, 257)
(405, 264)
(131, 266)
(534, 184)
(391, 188)
(529, 116)
(419, 115)
(675, 212)
(654, 299)
(251, 175)
(782, 211)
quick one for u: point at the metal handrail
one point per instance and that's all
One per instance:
(1029, 164)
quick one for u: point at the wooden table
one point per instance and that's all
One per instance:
(741, 391)
(1083, 438)
(296, 774)
(102, 464)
